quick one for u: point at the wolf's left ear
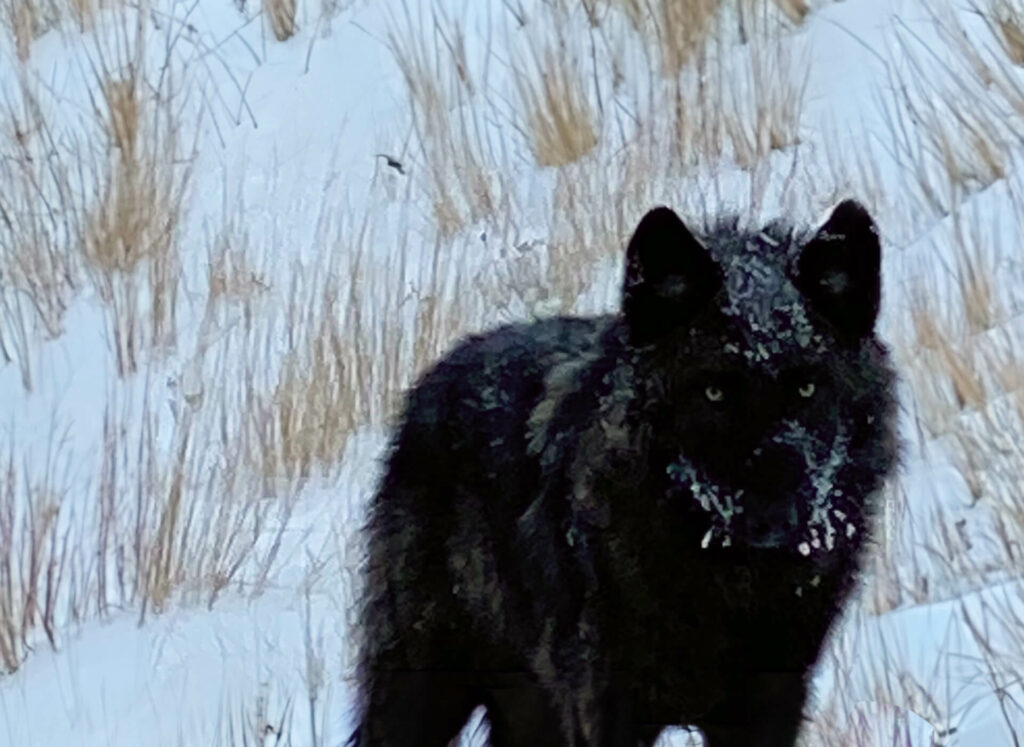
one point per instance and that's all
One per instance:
(839, 270)
(670, 276)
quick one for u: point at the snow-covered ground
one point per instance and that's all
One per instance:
(282, 143)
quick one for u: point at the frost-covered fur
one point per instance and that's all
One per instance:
(600, 527)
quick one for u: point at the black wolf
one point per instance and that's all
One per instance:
(599, 527)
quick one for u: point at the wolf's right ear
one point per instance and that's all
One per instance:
(670, 276)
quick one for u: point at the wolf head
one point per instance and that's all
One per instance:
(777, 395)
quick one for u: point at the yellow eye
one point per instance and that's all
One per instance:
(714, 394)
(807, 390)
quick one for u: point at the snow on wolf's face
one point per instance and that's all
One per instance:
(762, 445)
(765, 334)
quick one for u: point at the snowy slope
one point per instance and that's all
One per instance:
(285, 138)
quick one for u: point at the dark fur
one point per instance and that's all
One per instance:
(600, 527)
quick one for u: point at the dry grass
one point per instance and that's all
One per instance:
(280, 14)
(976, 251)
(173, 513)
(348, 343)
(684, 27)
(320, 392)
(771, 120)
(795, 10)
(40, 228)
(462, 184)
(31, 551)
(956, 150)
(314, 406)
(738, 107)
(105, 209)
(176, 516)
(955, 131)
(129, 248)
(685, 31)
(24, 24)
(27, 20)
(562, 124)
(962, 364)
(84, 11)
(191, 505)
(726, 100)
(944, 360)
(678, 29)
(1008, 20)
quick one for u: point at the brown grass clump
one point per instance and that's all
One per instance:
(27, 20)
(943, 364)
(966, 119)
(84, 12)
(956, 150)
(131, 226)
(684, 27)
(581, 236)
(795, 10)
(684, 32)
(680, 30)
(180, 520)
(352, 344)
(108, 205)
(39, 230)
(463, 182)
(741, 106)
(1008, 20)
(561, 123)
(636, 11)
(772, 120)
(23, 22)
(31, 566)
(975, 276)
(280, 15)
(961, 366)
(313, 408)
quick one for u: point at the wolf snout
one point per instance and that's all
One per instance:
(776, 472)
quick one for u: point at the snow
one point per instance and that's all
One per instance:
(178, 679)
(288, 149)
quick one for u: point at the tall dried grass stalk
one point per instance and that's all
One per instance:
(464, 183)
(130, 246)
(280, 15)
(40, 228)
(23, 20)
(32, 528)
(562, 123)
(684, 28)
(1008, 20)
(27, 20)
(975, 277)
(795, 10)
(743, 106)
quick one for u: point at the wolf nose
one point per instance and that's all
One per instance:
(775, 471)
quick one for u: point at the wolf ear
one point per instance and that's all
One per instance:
(670, 276)
(839, 270)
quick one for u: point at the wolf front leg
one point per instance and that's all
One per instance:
(766, 710)
(604, 712)
(414, 709)
(574, 699)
